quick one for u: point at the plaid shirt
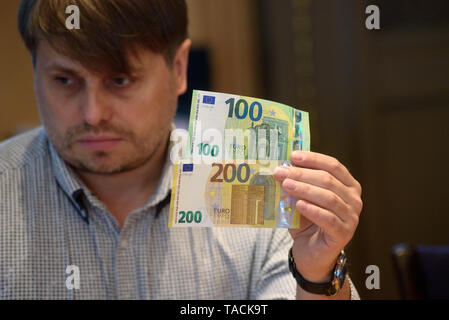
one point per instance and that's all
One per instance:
(50, 220)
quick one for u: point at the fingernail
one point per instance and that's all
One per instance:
(281, 172)
(297, 155)
(288, 184)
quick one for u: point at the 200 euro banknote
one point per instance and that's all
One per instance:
(229, 194)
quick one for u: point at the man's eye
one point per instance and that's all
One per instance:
(121, 81)
(64, 80)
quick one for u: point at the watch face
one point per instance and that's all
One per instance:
(339, 272)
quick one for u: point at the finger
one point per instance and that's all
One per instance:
(313, 160)
(319, 196)
(323, 218)
(318, 178)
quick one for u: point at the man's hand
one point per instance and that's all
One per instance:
(329, 200)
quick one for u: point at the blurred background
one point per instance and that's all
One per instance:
(378, 100)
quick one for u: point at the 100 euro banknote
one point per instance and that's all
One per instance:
(228, 126)
(229, 194)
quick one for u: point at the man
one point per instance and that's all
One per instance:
(84, 199)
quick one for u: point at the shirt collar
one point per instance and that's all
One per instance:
(77, 191)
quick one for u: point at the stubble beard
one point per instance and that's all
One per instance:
(102, 162)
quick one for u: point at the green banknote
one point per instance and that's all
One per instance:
(227, 126)
(229, 193)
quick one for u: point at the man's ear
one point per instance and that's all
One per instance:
(180, 64)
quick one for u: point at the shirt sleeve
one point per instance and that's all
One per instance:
(354, 293)
(272, 277)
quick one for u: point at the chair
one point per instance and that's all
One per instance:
(422, 271)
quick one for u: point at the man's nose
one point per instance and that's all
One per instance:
(94, 105)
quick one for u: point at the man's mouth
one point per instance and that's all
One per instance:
(94, 143)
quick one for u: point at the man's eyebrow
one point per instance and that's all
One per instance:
(56, 67)
(134, 71)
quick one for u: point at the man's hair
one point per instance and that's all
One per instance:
(109, 30)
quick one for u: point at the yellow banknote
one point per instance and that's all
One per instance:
(230, 193)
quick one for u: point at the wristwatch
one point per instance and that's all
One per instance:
(330, 288)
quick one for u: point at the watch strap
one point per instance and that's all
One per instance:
(329, 288)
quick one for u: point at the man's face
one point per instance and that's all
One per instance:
(108, 124)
